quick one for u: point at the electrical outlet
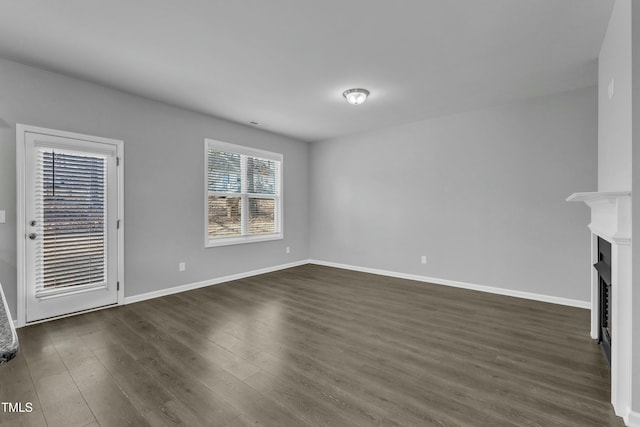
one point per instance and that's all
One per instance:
(3, 217)
(424, 259)
(287, 249)
(182, 266)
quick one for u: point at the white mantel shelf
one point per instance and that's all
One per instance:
(595, 195)
(611, 220)
(610, 214)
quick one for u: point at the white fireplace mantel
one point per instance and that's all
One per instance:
(611, 220)
(610, 214)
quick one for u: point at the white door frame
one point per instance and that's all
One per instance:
(21, 171)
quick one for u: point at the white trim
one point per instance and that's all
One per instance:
(632, 418)
(464, 285)
(590, 196)
(21, 130)
(121, 221)
(488, 289)
(626, 241)
(216, 281)
(63, 316)
(20, 224)
(245, 152)
(610, 214)
(611, 220)
(595, 289)
(226, 241)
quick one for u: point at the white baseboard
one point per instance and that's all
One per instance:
(490, 289)
(464, 285)
(190, 286)
(632, 419)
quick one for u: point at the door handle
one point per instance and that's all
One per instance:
(32, 236)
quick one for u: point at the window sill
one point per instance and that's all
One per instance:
(212, 243)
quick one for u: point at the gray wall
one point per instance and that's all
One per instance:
(614, 115)
(164, 178)
(481, 194)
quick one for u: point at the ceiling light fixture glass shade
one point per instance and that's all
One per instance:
(355, 96)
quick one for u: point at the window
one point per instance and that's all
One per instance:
(243, 188)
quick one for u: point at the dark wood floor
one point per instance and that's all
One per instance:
(313, 346)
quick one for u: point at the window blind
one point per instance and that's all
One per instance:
(70, 220)
(224, 172)
(261, 183)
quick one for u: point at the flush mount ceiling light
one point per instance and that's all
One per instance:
(355, 96)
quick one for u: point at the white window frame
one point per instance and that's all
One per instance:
(212, 144)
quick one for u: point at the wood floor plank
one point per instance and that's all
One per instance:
(295, 399)
(16, 386)
(315, 346)
(32, 419)
(225, 379)
(180, 370)
(61, 401)
(186, 336)
(207, 406)
(153, 401)
(106, 400)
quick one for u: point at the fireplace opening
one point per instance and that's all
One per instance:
(603, 267)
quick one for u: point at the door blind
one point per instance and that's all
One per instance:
(70, 221)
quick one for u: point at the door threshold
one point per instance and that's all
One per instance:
(62, 316)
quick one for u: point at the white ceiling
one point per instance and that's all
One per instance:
(285, 63)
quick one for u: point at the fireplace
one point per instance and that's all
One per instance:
(603, 267)
(611, 296)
